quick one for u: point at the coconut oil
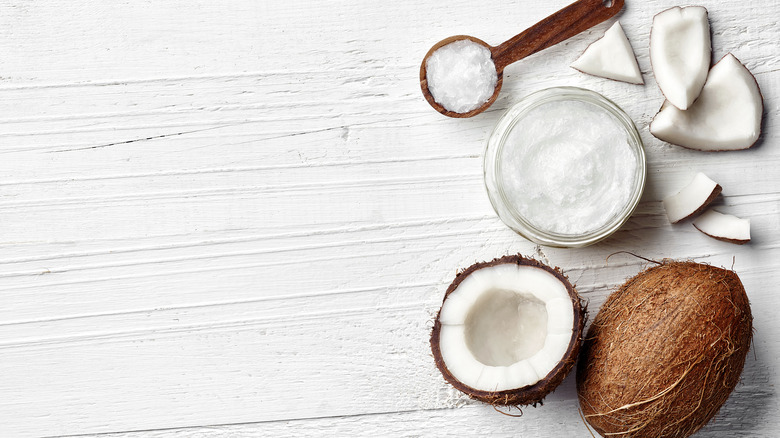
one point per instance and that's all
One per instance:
(461, 76)
(565, 167)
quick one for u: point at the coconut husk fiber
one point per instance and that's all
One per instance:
(665, 351)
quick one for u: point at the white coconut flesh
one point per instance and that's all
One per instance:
(690, 199)
(505, 327)
(610, 57)
(726, 116)
(723, 226)
(680, 53)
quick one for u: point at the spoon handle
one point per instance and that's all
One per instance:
(564, 24)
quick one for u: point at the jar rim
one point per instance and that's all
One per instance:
(492, 169)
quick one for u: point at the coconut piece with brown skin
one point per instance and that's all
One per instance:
(692, 199)
(508, 331)
(665, 351)
(724, 227)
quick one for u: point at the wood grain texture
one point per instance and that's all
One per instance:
(238, 218)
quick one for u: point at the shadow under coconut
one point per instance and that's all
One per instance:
(749, 407)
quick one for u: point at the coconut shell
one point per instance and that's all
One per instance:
(665, 351)
(527, 395)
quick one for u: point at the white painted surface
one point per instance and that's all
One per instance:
(237, 218)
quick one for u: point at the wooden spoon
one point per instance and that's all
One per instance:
(562, 25)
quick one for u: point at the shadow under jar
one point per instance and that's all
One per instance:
(565, 167)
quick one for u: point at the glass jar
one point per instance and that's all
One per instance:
(508, 206)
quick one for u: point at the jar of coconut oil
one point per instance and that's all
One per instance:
(565, 167)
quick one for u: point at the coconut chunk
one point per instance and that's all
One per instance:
(459, 359)
(521, 374)
(726, 116)
(680, 53)
(724, 227)
(555, 344)
(559, 318)
(610, 57)
(692, 199)
(504, 329)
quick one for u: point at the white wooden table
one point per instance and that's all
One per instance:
(238, 218)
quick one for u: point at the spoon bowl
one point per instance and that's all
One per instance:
(424, 78)
(562, 25)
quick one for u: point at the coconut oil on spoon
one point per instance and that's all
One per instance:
(461, 76)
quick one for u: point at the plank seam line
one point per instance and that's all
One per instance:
(228, 191)
(244, 169)
(329, 293)
(211, 327)
(257, 237)
(250, 423)
(262, 251)
(245, 266)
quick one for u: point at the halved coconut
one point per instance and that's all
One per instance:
(610, 57)
(692, 199)
(680, 53)
(724, 227)
(726, 116)
(508, 331)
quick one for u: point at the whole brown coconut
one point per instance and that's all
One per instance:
(665, 351)
(534, 392)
